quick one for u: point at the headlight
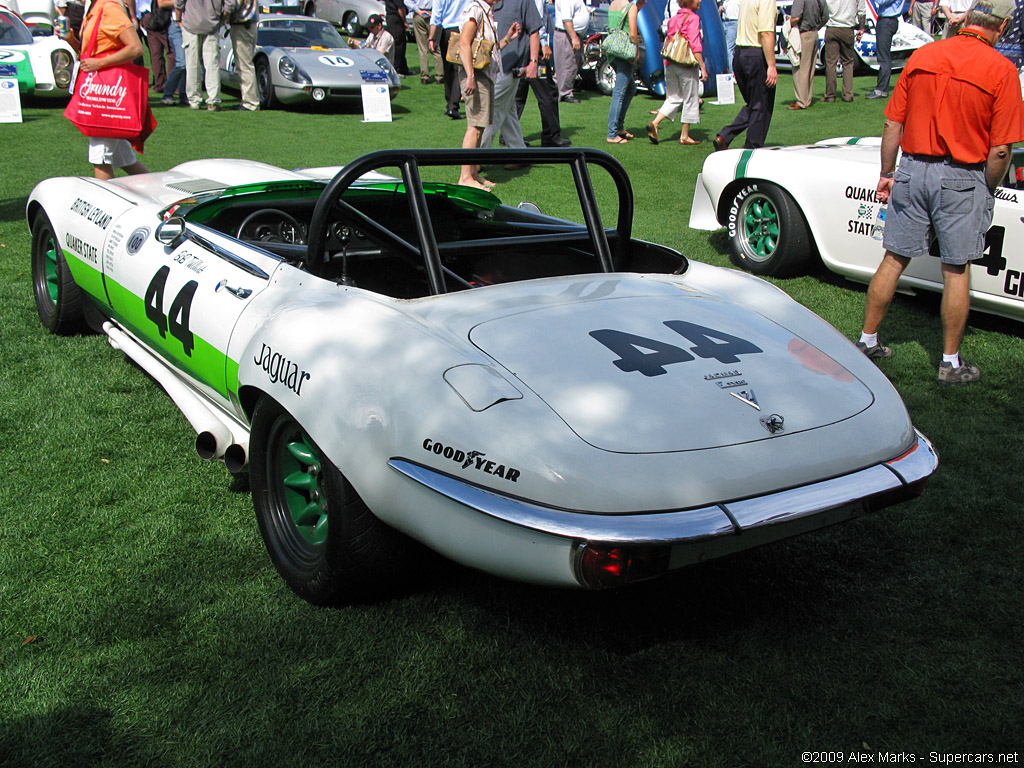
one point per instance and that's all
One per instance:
(391, 71)
(292, 71)
(62, 63)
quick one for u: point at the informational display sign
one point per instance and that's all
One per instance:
(376, 103)
(726, 89)
(10, 101)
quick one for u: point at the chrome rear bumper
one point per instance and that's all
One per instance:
(746, 522)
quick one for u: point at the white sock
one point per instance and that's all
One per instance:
(953, 359)
(869, 340)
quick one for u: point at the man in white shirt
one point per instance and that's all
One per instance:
(379, 38)
(955, 12)
(571, 20)
(845, 26)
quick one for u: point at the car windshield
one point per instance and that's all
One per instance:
(298, 33)
(13, 31)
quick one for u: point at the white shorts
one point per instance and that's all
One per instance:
(115, 152)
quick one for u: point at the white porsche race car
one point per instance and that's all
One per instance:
(545, 399)
(905, 41)
(785, 206)
(42, 65)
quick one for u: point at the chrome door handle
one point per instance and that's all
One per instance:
(238, 293)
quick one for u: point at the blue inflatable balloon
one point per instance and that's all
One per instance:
(716, 55)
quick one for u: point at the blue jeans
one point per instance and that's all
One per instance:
(730, 40)
(885, 28)
(622, 95)
(176, 77)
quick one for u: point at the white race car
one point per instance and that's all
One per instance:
(548, 400)
(41, 65)
(907, 39)
(786, 206)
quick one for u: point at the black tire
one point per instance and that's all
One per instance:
(324, 541)
(265, 85)
(309, 9)
(350, 24)
(604, 76)
(59, 300)
(768, 234)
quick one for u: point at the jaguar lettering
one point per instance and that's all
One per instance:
(280, 369)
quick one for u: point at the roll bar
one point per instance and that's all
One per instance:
(411, 160)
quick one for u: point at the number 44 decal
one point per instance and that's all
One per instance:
(176, 319)
(707, 344)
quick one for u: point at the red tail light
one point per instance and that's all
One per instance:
(602, 566)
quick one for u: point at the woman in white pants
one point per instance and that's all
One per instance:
(682, 83)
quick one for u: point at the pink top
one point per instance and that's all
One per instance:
(687, 21)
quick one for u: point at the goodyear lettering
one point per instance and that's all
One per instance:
(77, 245)
(734, 210)
(861, 193)
(91, 213)
(472, 460)
(280, 369)
(859, 227)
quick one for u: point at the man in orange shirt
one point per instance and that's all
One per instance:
(955, 113)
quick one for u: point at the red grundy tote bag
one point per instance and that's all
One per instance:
(112, 103)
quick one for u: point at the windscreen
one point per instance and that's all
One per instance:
(298, 33)
(13, 31)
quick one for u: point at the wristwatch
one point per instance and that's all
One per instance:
(886, 175)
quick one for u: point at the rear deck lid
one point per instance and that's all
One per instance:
(651, 374)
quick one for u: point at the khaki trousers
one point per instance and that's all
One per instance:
(839, 47)
(803, 78)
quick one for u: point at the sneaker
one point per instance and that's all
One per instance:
(877, 352)
(877, 95)
(168, 102)
(964, 374)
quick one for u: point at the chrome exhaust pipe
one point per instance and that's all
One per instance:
(213, 437)
(236, 457)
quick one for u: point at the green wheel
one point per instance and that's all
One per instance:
(324, 541)
(767, 232)
(59, 300)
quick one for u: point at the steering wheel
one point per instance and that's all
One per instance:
(286, 230)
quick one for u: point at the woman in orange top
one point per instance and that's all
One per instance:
(117, 42)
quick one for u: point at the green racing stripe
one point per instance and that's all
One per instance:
(741, 166)
(205, 363)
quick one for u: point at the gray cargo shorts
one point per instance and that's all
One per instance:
(936, 198)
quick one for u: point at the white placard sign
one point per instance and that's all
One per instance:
(376, 103)
(726, 89)
(10, 101)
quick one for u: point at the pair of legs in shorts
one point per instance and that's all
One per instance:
(933, 198)
(108, 154)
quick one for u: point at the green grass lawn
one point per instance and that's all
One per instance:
(142, 624)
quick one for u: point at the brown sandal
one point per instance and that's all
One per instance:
(689, 142)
